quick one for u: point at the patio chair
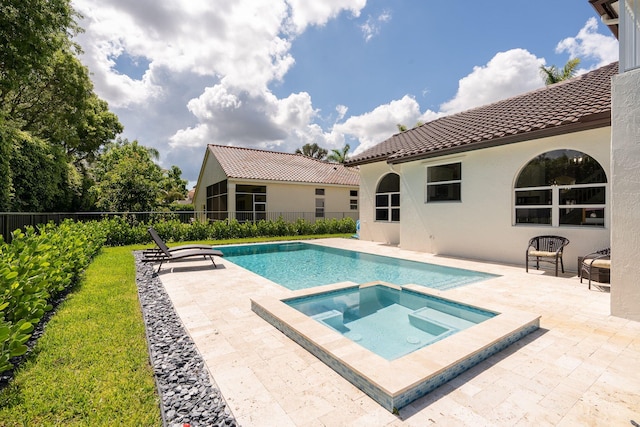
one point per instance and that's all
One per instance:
(158, 240)
(596, 260)
(165, 254)
(546, 249)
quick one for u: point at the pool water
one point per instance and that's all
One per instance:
(388, 320)
(302, 265)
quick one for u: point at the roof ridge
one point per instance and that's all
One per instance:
(277, 152)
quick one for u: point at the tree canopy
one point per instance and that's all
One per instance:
(339, 156)
(312, 150)
(552, 74)
(128, 179)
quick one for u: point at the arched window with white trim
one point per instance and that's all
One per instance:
(388, 198)
(561, 188)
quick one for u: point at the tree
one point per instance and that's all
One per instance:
(312, 150)
(552, 74)
(127, 178)
(40, 175)
(339, 156)
(58, 104)
(173, 186)
(30, 32)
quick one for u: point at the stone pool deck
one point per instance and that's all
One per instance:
(580, 368)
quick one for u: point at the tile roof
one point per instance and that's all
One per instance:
(248, 163)
(581, 103)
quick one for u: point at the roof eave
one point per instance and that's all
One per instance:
(595, 121)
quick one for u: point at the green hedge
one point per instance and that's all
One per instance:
(126, 231)
(34, 269)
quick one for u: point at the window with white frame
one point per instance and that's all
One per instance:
(388, 198)
(444, 182)
(561, 188)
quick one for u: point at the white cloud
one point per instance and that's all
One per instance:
(209, 67)
(372, 26)
(377, 125)
(506, 74)
(590, 45)
(305, 12)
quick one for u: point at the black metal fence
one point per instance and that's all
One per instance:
(11, 221)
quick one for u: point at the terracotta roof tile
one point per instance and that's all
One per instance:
(583, 102)
(248, 163)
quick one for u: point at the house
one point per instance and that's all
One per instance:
(623, 19)
(250, 185)
(562, 160)
(480, 183)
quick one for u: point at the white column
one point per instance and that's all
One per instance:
(625, 209)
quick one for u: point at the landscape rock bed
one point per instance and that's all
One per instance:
(184, 384)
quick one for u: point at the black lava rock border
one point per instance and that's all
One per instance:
(184, 385)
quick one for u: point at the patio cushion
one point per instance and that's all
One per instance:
(542, 253)
(598, 263)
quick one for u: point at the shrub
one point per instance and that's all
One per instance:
(34, 268)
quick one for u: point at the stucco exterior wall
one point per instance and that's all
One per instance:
(625, 164)
(301, 197)
(370, 229)
(481, 225)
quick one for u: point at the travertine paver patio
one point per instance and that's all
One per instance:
(581, 368)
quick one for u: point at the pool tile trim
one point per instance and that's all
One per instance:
(394, 384)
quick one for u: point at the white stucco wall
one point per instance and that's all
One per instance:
(370, 229)
(625, 164)
(481, 225)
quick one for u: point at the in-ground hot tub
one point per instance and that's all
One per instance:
(394, 343)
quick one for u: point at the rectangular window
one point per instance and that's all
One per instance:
(533, 216)
(319, 191)
(353, 204)
(319, 208)
(444, 183)
(353, 193)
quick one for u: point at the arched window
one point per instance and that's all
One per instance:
(561, 188)
(388, 198)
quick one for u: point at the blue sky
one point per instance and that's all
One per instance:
(275, 75)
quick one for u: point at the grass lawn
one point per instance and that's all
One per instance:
(91, 366)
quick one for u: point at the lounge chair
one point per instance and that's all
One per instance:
(158, 240)
(165, 254)
(600, 260)
(546, 249)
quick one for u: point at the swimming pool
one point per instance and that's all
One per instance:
(388, 320)
(298, 265)
(396, 383)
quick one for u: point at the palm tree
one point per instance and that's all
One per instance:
(312, 150)
(339, 156)
(552, 74)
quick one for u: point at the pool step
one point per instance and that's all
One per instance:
(446, 320)
(332, 318)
